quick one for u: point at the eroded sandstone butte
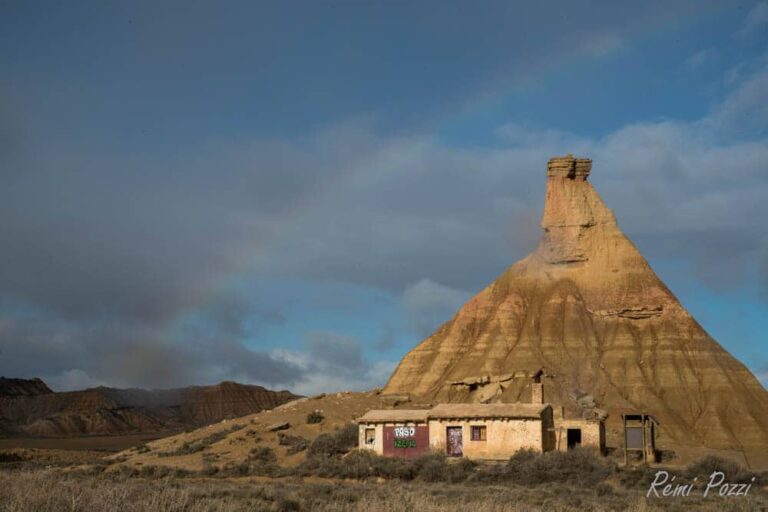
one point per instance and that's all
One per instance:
(587, 308)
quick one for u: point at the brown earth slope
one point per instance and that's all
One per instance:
(29, 408)
(231, 442)
(587, 308)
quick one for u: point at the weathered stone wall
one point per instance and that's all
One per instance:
(503, 437)
(378, 445)
(592, 433)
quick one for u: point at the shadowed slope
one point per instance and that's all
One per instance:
(30, 408)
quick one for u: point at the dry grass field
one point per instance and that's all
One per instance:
(333, 479)
(49, 490)
(313, 464)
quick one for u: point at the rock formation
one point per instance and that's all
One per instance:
(586, 315)
(30, 408)
(23, 387)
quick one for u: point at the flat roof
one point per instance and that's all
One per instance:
(394, 416)
(456, 411)
(638, 416)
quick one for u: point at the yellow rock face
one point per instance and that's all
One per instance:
(588, 309)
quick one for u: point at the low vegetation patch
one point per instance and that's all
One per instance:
(152, 489)
(295, 444)
(199, 445)
(315, 416)
(261, 461)
(11, 457)
(334, 444)
(525, 468)
(704, 467)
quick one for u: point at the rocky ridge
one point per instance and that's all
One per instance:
(30, 408)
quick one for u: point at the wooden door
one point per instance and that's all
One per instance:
(455, 442)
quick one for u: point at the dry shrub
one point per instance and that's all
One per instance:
(704, 467)
(261, 461)
(295, 444)
(11, 457)
(189, 447)
(527, 467)
(315, 416)
(334, 444)
(57, 490)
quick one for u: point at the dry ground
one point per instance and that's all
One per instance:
(240, 465)
(56, 490)
(231, 441)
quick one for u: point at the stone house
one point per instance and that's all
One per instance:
(394, 432)
(480, 431)
(477, 431)
(573, 433)
(490, 431)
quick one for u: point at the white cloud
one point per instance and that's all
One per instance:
(406, 208)
(319, 377)
(762, 375)
(756, 19)
(745, 110)
(701, 59)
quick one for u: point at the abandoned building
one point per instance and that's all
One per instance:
(477, 431)
(640, 437)
(401, 433)
(481, 431)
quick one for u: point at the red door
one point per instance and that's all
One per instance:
(455, 441)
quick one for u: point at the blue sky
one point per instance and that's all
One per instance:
(294, 194)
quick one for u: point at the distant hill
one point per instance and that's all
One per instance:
(23, 387)
(30, 408)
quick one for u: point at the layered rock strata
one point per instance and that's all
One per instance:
(587, 308)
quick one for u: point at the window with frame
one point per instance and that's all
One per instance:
(478, 433)
(370, 435)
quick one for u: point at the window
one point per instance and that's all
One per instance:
(370, 435)
(478, 433)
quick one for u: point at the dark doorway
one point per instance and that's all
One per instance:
(454, 441)
(574, 438)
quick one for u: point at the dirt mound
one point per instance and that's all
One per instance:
(28, 411)
(587, 314)
(284, 429)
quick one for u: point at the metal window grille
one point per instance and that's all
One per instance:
(478, 433)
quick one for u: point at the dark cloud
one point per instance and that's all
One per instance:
(428, 305)
(127, 204)
(234, 315)
(132, 355)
